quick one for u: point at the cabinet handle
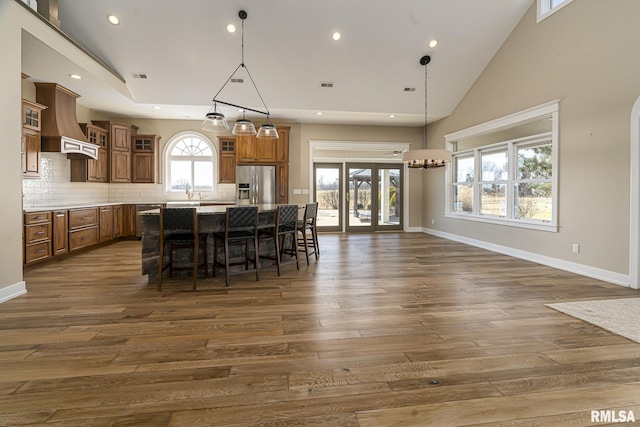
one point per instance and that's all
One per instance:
(39, 251)
(40, 233)
(85, 217)
(85, 238)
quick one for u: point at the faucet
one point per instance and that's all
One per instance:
(189, 191)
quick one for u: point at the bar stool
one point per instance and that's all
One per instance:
(285, 225)
(179, 232)
(308, 223)
(241, 227)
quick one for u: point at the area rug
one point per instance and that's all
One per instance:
(620, 316)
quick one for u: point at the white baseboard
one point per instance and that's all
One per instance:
(583, 270)
(12, 291)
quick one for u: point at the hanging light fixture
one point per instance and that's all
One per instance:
(426, 158)
(216, 121)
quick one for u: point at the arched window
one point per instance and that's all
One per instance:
(190, 163)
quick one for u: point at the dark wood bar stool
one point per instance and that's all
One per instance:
(309, 244)
(241, 227)
(179, 232)
(285, 225)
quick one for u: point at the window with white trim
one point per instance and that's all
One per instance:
(547, 8)
(190, 163)
(505, 171)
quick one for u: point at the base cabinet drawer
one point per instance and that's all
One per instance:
(37, 251)
(37, 236)
(83, 238)
(37, 217)
(83, 217)
(38, 232)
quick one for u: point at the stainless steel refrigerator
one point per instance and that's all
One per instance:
(256, 185)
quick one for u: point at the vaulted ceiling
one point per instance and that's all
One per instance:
(187, 54)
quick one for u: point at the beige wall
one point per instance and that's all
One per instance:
(586, 55)
(10, 173)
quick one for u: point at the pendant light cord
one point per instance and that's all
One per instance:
(242, 64)
(424, 135)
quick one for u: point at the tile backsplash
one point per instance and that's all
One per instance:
(54, 189)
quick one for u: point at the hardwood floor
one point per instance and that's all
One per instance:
(384, 330)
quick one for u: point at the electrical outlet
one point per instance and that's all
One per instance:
(305, 191)
(433, 221)
(576, 248)
(297, 191)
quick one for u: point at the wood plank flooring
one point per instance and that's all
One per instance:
(383, 330)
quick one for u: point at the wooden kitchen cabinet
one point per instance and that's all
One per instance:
(250, 149)
(31, 141)
(282, 183)
(37, 236)
(90, 170)
(118, 224)
(129, 220)
(60, 232)
(106, 223)
(282, 144)
(83, 228)
(119, 149)
(227, 160)
(265, 150)
(120, 170)
(120, 137)
(144, 158)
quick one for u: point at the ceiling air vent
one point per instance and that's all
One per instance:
(409, 89)
(237, 80)
(326, 84)
(140, 75)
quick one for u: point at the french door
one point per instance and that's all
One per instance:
(374, 197)
(368, 199)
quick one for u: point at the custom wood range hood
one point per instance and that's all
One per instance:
(61, 132)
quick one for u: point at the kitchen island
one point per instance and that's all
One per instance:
(211, 219)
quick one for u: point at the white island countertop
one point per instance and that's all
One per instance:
(152, 204)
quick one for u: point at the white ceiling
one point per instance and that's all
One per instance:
(187, 54)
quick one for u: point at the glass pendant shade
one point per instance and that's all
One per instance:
(244, 127)
(215, 122)
(267, 131)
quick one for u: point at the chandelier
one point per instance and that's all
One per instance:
(426, 158)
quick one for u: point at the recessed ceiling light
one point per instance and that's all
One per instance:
(113, 19)
(392, 116)
(336, 36)
(433, 43)
(75, 76)
(231, 28)
(319, 113)
(155, 107)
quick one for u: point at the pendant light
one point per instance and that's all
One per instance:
(216, 121)
(267, 130)
(426, 158)
(243, 126)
